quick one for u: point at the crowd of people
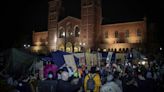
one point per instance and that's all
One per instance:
(109, 77)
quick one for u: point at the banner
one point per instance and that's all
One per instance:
(120, 56)
(81, 57)
(39, 66)
(109, 57)
(70, 61)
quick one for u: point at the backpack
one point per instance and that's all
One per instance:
(91, 83)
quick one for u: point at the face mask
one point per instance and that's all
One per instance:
(50, 76)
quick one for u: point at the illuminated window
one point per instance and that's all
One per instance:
(105, 50)
(70, 31)
(127, 33)
(106, 34)
(77, 32)
(139, 33)
(116, 34)
(98, 49)
(61, 33)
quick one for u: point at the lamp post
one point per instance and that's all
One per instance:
(160, 48)
(64, 35)
(26, 46)
(82, 48)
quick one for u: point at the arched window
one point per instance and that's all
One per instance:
(139, 33)
(61, 33)
(127, 49)
(70, 33)
(123, 49)
(116, 34)
(115, 50)
(127, 33)
(119, 49)
(69, 29)
(77, 32)
(106, 34)
(104, 50)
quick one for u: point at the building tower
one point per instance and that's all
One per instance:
(53, 15)
(91, 14)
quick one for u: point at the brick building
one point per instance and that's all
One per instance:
(88, 33)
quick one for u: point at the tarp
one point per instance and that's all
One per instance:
(58, 58)
(18, 61)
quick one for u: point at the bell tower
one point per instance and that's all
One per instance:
(53, 15)
(91, 16)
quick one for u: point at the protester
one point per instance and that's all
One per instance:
(96, 81)
(110, 85)
(117, 79)
(64, 85)
(23, 84)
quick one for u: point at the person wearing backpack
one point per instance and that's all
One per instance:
(92, 81)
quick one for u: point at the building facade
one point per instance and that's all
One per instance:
(73, 35)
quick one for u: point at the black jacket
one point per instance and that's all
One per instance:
(65, 86)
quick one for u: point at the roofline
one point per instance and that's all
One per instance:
(123, 23)
(67, 18)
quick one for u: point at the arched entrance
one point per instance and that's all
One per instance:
(61, 47)
(69, 47)
(77, 47)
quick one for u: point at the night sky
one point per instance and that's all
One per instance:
(20, 17)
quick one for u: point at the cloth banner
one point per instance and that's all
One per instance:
(91, 59)
(70, 61)
(94, 59)
(120, 56)
(99, 58)
(109, 57)
(81, 57)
